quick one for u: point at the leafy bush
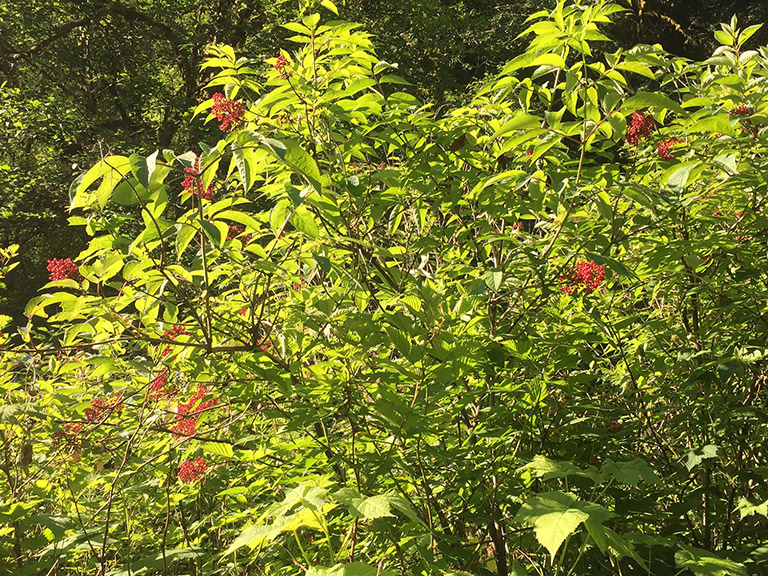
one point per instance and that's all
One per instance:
(358, 337)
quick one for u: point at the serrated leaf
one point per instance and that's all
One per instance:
(630, 473)
(140, 169)
(245, 160)
(351, 569)
(296, 158)
(215, 231)
(696, 457)
(637, 68)
(748, 509)
(280, 215)
(553, 517)
(156, 561)
(703, 563)
(546, 469)
(493, 279)
(330, 6)
(253, 536)
(368, 508)
(184, 235)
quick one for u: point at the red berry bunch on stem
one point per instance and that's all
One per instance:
(160, 387)
(237, 231)
(69, 436)
(100, 409)
(193, 470)
(664, 148)
(63, 269)
(280, 65)
(188, 413)
(745, 111)
(171, 334)
(640, 126)
(742, 110)
(193, 183)
(229, 113)
(585, 277)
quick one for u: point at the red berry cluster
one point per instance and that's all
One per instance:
(193, 470)
(229, 113)
(175, 331)
(664, 148)
(160, 387)
(745, 111)
(193, 184)
(585, 277)
(172, 334)
(640, 126)
(235, 231)
(63, 269)
(187, 413)
(280, 65)
(69, 436)
(100, 409)
(742, 111)
(615, 426)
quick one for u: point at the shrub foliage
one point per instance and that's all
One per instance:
(364, 335)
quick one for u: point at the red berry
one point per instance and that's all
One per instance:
(640, 126)
(586, 277)
(229, 113)
(188, 413)
(63, 269)
(663, 148)
(280, 66)
(193, 470)
(193, 184)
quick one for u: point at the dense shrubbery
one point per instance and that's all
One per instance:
(355, 336)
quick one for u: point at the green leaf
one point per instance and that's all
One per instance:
(246, 161)
(296, 158)
(676, 178)
(703, 563)
(696, 457)
(746, 507)
(630, 472)
(184, 235)
(652, 100)
(140, 169)
(553, 516)
(111, 170)
(219, 448)
(280, 214)
(352, 569)
(215, 231)
(304, 221)
(254, 536)
(520, 122)
(330, 6)
(154, 562)
(546, 469)
(719, 124)
(368, 508)
(493, 279)
(637, 68)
